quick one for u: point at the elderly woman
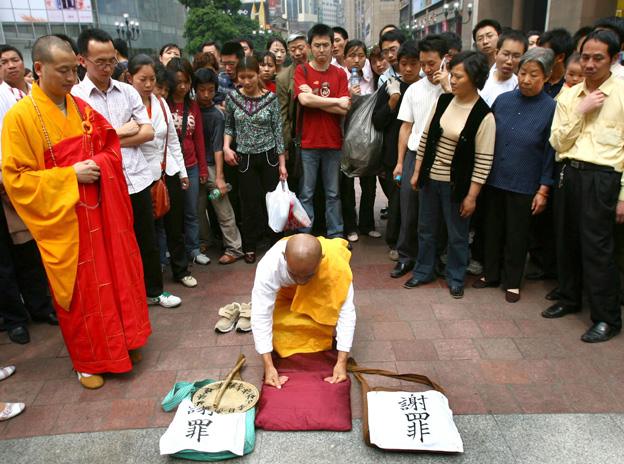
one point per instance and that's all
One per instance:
(521, 174)
(453, 162)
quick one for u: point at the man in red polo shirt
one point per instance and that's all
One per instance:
(322, 90)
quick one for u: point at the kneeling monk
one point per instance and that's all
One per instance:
(62, 171)
(303, 290)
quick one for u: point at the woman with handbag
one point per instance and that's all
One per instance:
(254, 122)
(164, 157)
(187, 120)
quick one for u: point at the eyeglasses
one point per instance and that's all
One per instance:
(510, 56)
(387, 51)
(103, 64)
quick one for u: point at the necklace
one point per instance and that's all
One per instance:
(86, 138)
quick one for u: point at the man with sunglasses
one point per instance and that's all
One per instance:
(302, 294)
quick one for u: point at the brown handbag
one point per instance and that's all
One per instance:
(160, 194)
(358, 371)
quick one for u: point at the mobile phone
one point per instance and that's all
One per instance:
(443, 64)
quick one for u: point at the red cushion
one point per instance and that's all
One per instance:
(306, 401)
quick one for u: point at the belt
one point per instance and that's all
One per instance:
(585, 166)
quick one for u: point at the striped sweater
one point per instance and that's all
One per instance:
(452, 123)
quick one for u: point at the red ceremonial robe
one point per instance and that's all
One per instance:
(106, 314)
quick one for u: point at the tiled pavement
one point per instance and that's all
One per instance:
(491, 356)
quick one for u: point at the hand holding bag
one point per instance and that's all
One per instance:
(160, 194)
(397, 420)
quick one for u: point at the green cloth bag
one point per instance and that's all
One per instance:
(182, 390)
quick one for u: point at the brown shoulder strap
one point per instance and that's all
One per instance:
(416, 378)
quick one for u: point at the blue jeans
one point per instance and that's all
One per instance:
(435, 197)
(191, 223)
(329, 162)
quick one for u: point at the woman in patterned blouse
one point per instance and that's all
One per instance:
(253, 121)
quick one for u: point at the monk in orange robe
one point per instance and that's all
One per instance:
(62, 171)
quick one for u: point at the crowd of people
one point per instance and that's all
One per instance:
(492, 157)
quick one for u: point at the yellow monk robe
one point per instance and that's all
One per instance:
(305, 316)
(84, 231)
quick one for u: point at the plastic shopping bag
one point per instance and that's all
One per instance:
(297, 216)
(362, 146)
(278, 206)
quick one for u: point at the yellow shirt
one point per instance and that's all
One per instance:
(596, 137)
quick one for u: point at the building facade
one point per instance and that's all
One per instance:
(365, 18)
(22, 21)
(432, 16)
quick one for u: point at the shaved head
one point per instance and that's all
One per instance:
(45, 48)
(303, 255)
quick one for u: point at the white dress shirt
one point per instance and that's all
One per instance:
(155, 148)
(7, 100)
(120, 104)
(419, 99)
(271, 275)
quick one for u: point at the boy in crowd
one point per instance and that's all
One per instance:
(206, 86)
(510, 48)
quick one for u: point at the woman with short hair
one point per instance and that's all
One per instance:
(521, 175)
(452, 164)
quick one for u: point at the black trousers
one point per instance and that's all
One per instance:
(363, 222)
(145, 233)
(585, 227)
(506, 233)
(174, 228)
(393, 194)
(22, 277)
(257, 175)
(407, 244)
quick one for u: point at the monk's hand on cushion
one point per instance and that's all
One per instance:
(271, 377)
(340, 373)
(87, 171)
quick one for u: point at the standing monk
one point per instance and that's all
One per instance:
(62, 171)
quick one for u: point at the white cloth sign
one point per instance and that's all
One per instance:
(198, 429)
(412, 421)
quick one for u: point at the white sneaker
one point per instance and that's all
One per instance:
(374, 234)
(11, 410)
(393, 255)
(244, 319)
(228, 317)
(188, 281)
(6, 372)
(474, 268)
(166, 300)
(201, 259)
(353, 237)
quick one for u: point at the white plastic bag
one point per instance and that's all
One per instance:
(297, 216)
(278, 206)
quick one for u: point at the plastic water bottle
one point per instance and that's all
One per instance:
(215, 194)
(355, 77)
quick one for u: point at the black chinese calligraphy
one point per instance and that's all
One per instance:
(417, 426)
(198, 428)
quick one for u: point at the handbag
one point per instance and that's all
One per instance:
(194, 429)
(398, 420)
(160, 194)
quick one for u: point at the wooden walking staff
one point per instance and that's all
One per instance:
(228, 379)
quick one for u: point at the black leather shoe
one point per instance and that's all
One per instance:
(457, 292)
(401, 269)
(50, 318)
(553, 295)
(600, 332)
(19, 335)
(414, 282)
(482, 283)
(559, 310)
